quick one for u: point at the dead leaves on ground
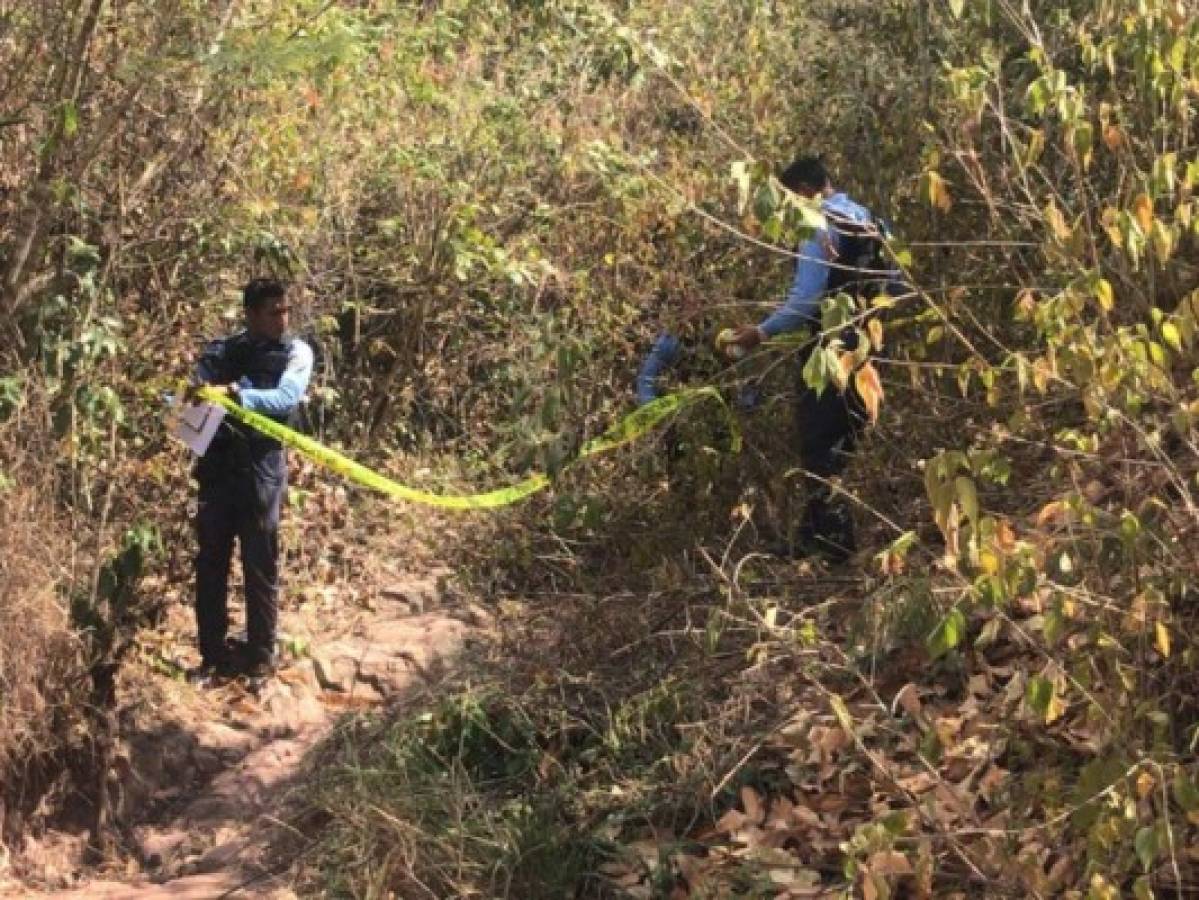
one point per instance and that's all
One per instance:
(910, 792)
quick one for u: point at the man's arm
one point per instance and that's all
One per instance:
(663, 355)
(282, 400)
(802, 305)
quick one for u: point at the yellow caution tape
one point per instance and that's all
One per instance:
(628, 429)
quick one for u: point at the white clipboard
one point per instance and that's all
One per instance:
(196, 425)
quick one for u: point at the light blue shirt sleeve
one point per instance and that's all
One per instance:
(802, 306)
(663, 355)
(293, 383)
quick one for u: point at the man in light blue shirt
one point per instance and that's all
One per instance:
(846, 255)
(243, 477)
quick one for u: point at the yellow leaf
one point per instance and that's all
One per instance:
(870, 389)
(1042, 370)
(875, 328)
(1162, 237)
(1104, 294)
(1026, 304)
(1172, 335)
(1145, 785)
(1162, 639)
(988, 561)
(1056, 708)
(1036, 146)
(1143, 210)
(936, 192)
(1057, 223)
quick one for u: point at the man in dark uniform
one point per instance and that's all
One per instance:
(846, 255)
(243, 476)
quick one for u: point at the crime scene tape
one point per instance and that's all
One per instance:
(633, 426)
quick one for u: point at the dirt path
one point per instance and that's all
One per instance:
(203, 773)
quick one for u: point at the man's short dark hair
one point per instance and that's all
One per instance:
(261, 291)
(806, 174)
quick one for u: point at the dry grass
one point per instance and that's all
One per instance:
(40, 656)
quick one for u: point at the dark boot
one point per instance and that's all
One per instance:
(827, 529)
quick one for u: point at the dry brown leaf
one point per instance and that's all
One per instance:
(870, 389)
(795, 878)
(731, 821)
(845, 364)
(1113, 137)
(755, 809)
(694, 869)
(889, 862)
(1054, 512)
(751, 838)
(908, 699)
(991, 781)
(621, 874)
(781, 809)
(1061, 873)
(1005, 536)
(979, 685)
(948, 806)
(917, 784)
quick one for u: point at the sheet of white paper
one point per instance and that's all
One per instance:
(195, 425)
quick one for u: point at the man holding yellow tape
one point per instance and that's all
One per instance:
(243, 477)
(845, 255)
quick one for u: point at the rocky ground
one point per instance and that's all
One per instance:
(201, 781)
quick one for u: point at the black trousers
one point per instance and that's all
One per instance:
(827, 428)
(239, 501)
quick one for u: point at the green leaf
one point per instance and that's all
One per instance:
(1185, 793)
(968, 496)
(948, 633)
(1084, 142)
(1145, 844)
(766, 201)
(70, 118)
(1039, 694)
(1038, 96)
(815, 372)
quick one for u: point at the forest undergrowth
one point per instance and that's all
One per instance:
(491, 211)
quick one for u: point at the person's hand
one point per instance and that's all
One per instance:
(747, 337)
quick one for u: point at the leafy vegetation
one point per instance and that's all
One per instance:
(492, 209)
